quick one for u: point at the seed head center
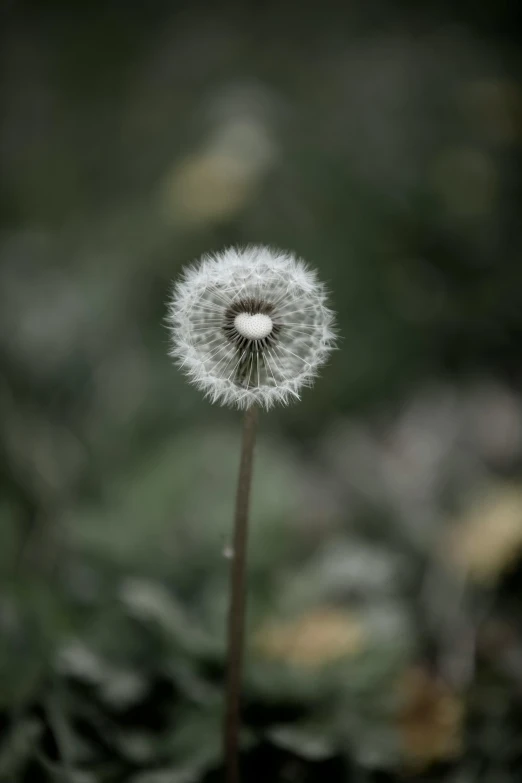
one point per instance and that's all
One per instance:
(253, 327)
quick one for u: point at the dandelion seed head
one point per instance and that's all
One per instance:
(250, 326)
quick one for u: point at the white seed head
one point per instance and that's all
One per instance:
(250, 326)
(255, 327)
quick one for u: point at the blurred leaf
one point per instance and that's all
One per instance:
(173, 775)
(161, 521)
(18, 746)
(308, 741)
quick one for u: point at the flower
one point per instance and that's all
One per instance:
(430, 720)
(318, 638)
(250, 326)
(487, 540)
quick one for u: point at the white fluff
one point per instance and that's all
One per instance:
(250, 326)
(255, 327)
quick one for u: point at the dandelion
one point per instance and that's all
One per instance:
(250, 327)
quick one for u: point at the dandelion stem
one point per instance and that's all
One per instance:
(236, 618)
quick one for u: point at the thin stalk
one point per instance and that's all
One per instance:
(236, 617)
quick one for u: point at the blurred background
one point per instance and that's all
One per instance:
(381, 141)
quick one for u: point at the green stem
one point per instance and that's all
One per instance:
(236, 618)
